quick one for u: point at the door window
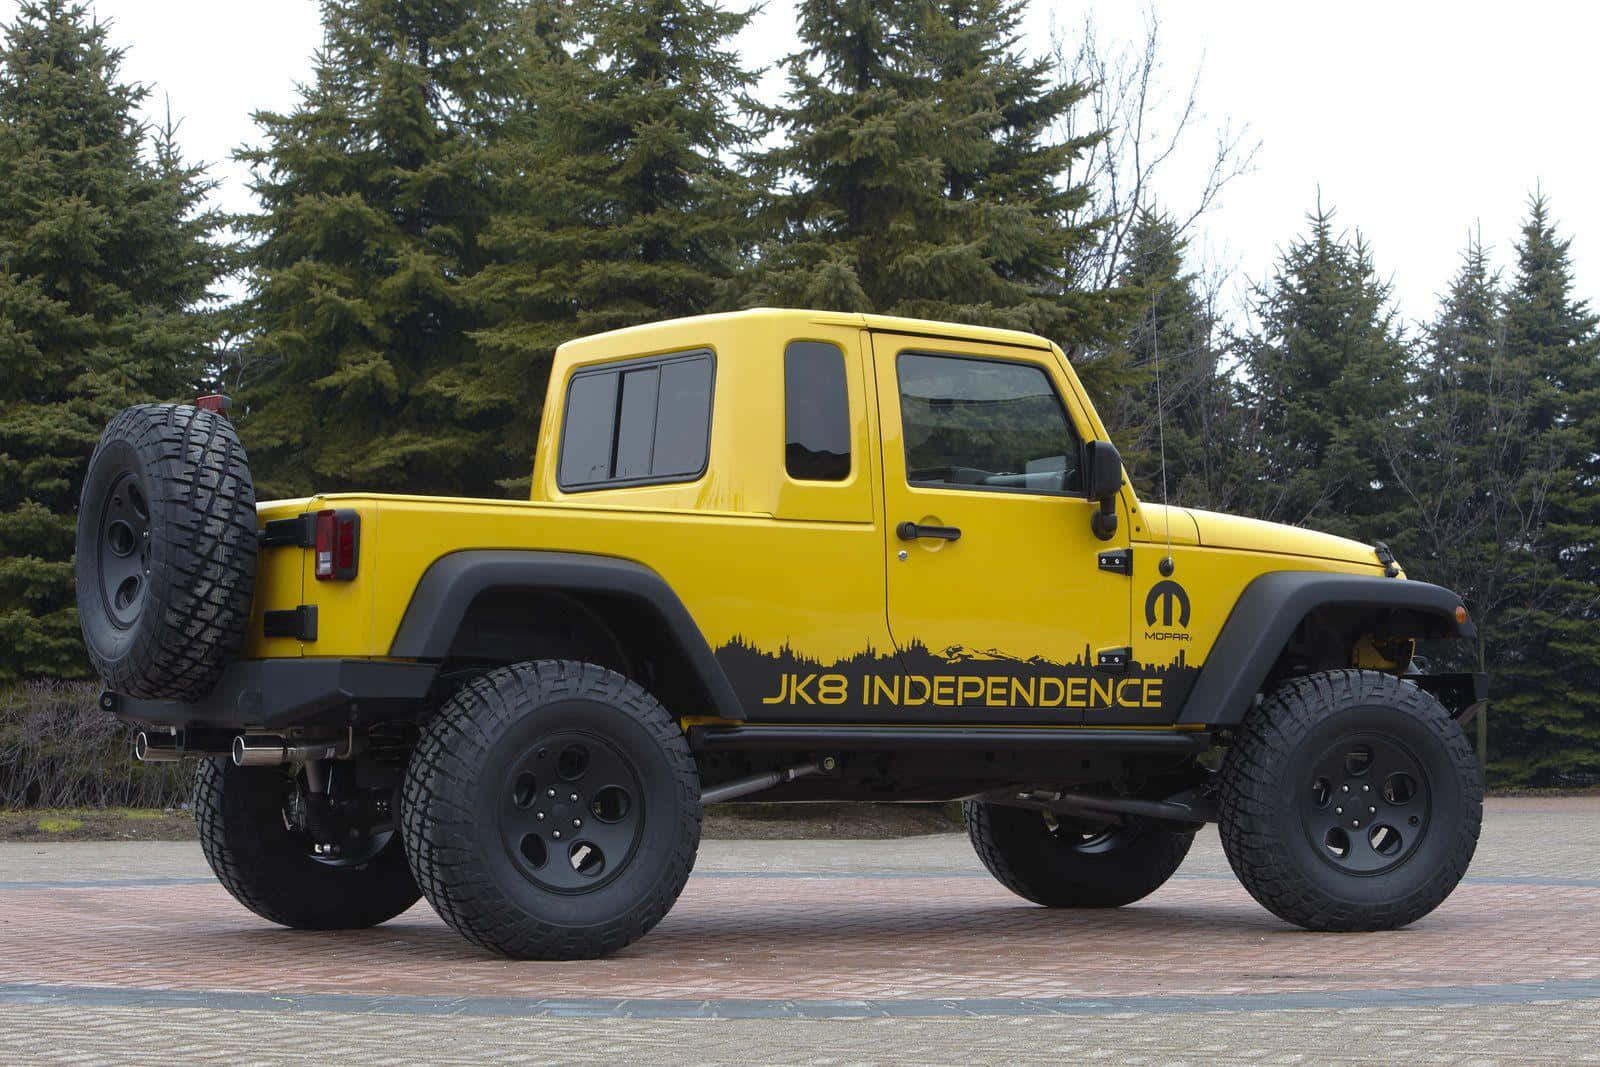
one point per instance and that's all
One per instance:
(985, 424)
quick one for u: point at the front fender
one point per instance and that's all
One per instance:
(1267, 612)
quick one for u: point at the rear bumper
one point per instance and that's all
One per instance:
(284, 693)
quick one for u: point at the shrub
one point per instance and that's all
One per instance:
(59, 750)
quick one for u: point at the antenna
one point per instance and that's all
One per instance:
(1167, 566)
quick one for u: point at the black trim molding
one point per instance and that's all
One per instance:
(280, 693)
(446, 592)
(1269, 609)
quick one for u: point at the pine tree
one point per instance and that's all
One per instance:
(1475, 489)
(106, 256)
(917, 175)
(1459, 457)
(1176, 368)
(1548, 712)
(856, 158)
(621, 204)
(1326, 369)
(361, 370)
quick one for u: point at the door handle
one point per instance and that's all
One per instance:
(910, 531)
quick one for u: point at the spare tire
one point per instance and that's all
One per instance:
(166, 552)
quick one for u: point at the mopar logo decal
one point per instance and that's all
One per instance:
(1167, 595)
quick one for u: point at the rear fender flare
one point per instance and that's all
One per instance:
(445, 594)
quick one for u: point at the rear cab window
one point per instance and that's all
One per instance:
(816, 412)
(638, 422)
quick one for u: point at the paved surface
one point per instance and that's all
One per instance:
(818, 952)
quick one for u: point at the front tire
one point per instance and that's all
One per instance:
(1062, 864)
(270, 869)
(552, 811)
(1351, 800)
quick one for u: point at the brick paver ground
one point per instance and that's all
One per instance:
(820, 952)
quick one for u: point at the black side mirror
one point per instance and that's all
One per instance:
(1103, 467)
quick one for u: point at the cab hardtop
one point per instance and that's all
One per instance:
(655, 337)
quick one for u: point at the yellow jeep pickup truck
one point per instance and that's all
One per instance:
(790, 555)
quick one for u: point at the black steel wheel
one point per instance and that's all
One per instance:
(1350, 801)
(122, 566)
(166, 551)
(1062, 863)
(552, 811)
(1366, 808)
(572, 810)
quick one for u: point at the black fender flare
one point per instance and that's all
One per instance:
(1259, 626)
(452, 582)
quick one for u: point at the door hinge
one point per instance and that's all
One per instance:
(1118, 561)
(1113, 659)
(298, 532)
(300, 622)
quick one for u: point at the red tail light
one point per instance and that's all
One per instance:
(338, 545)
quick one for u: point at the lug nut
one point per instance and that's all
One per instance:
(539, 815)
(1345, 788)
(1355, 822)
(550, 792)
(576, 823)
(1338, 811)
(1373, 810)
(574, 796)
(1366, 789)
(556, 835)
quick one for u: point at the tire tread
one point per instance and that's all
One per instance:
(1261, 747)
(203, 563)
(439, 821)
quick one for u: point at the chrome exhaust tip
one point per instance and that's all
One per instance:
(158, 749)
(260, 751)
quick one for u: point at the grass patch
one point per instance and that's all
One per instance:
(96, 824)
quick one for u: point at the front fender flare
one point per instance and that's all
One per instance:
(1266, 614)
(452, 582)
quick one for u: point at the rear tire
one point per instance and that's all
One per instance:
(166, 551)
(268, 868)
(1351, 800)
(1061, 864)
(552, 811)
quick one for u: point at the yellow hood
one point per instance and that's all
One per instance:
(1254, 535)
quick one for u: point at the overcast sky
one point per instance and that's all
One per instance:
(1418, 120)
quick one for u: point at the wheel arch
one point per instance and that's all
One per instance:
(615, 603)
(1273, 607)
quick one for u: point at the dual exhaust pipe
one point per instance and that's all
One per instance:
(246, 750)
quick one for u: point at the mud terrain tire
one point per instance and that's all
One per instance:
(1351, 800)
(552, 811)
(1060, 865)
(166, 551)
(270, 870)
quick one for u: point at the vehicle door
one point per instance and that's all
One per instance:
(1002, 602)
